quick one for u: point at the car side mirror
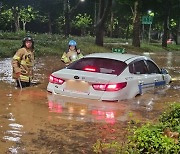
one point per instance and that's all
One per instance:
(164, 71)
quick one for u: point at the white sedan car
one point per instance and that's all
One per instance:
(108, 77)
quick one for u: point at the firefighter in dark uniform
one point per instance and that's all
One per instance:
(23, 62)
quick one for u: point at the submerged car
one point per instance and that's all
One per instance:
(108, 77)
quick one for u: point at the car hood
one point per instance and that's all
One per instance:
(92, 77)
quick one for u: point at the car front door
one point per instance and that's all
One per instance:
(145, 81)
(154, 71)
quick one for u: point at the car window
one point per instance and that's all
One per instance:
(100, 65)
(138, 67)
(152, 67)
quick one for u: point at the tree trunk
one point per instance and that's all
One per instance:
(178, 33)
(49, 23)
(111, 25)
(136, 24)
(99, 36)
(16, 18)
(164, 38)
(127, 32)
(17, 26)
(102, 17)
(67, 15)
(24, 26)
(167, 5)
(67, 18)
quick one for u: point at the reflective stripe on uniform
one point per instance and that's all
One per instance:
(80, 56)
(64, 58)
(23, 62)
(16, 57)
(24, 78)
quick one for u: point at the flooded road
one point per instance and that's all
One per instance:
(35, 121)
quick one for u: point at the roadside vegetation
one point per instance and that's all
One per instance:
(162, 137)
(48, 44)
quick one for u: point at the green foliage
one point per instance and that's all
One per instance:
(150, 139)
(158, 48)
(171, 118)
(12, 36)
(82, 22)
(60, 23)
(27, 14)
(6, 17)
(8, 47)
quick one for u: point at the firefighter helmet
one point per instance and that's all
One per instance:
(72, 43)
(27, 38)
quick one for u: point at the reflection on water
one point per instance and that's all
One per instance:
(14, 133)
(169, 59)
(87, 110)
(23, 114)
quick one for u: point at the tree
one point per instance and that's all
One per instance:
(6, 19)
(49, 11)
(104, 10)
(175, 20)
(15, 8)
(27, 15)
(68, 11)
(82, 22)
(136, 12)
(166, 8)
(166, 18)
(178, 32)
(123, 12)
(16, 16)
(136, 24)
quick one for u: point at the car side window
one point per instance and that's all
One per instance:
(152, 67)
(131, 68)
(138, 67)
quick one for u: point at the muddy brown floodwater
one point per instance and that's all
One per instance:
(33, 121)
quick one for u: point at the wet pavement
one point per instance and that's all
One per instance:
(35, 121)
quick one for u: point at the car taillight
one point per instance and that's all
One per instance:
(90, 69)
(109, 87)
(56, 80)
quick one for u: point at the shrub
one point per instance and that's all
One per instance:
(151, 139)
(171, 117)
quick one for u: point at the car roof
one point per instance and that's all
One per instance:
(116, 56)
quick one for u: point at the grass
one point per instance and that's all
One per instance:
(46, 44)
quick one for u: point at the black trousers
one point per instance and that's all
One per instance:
(23, 84)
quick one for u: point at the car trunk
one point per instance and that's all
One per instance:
(80, 82)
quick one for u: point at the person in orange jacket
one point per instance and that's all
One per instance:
(72, 54)
(23, 62)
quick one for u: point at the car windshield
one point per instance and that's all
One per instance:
(100, 65)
